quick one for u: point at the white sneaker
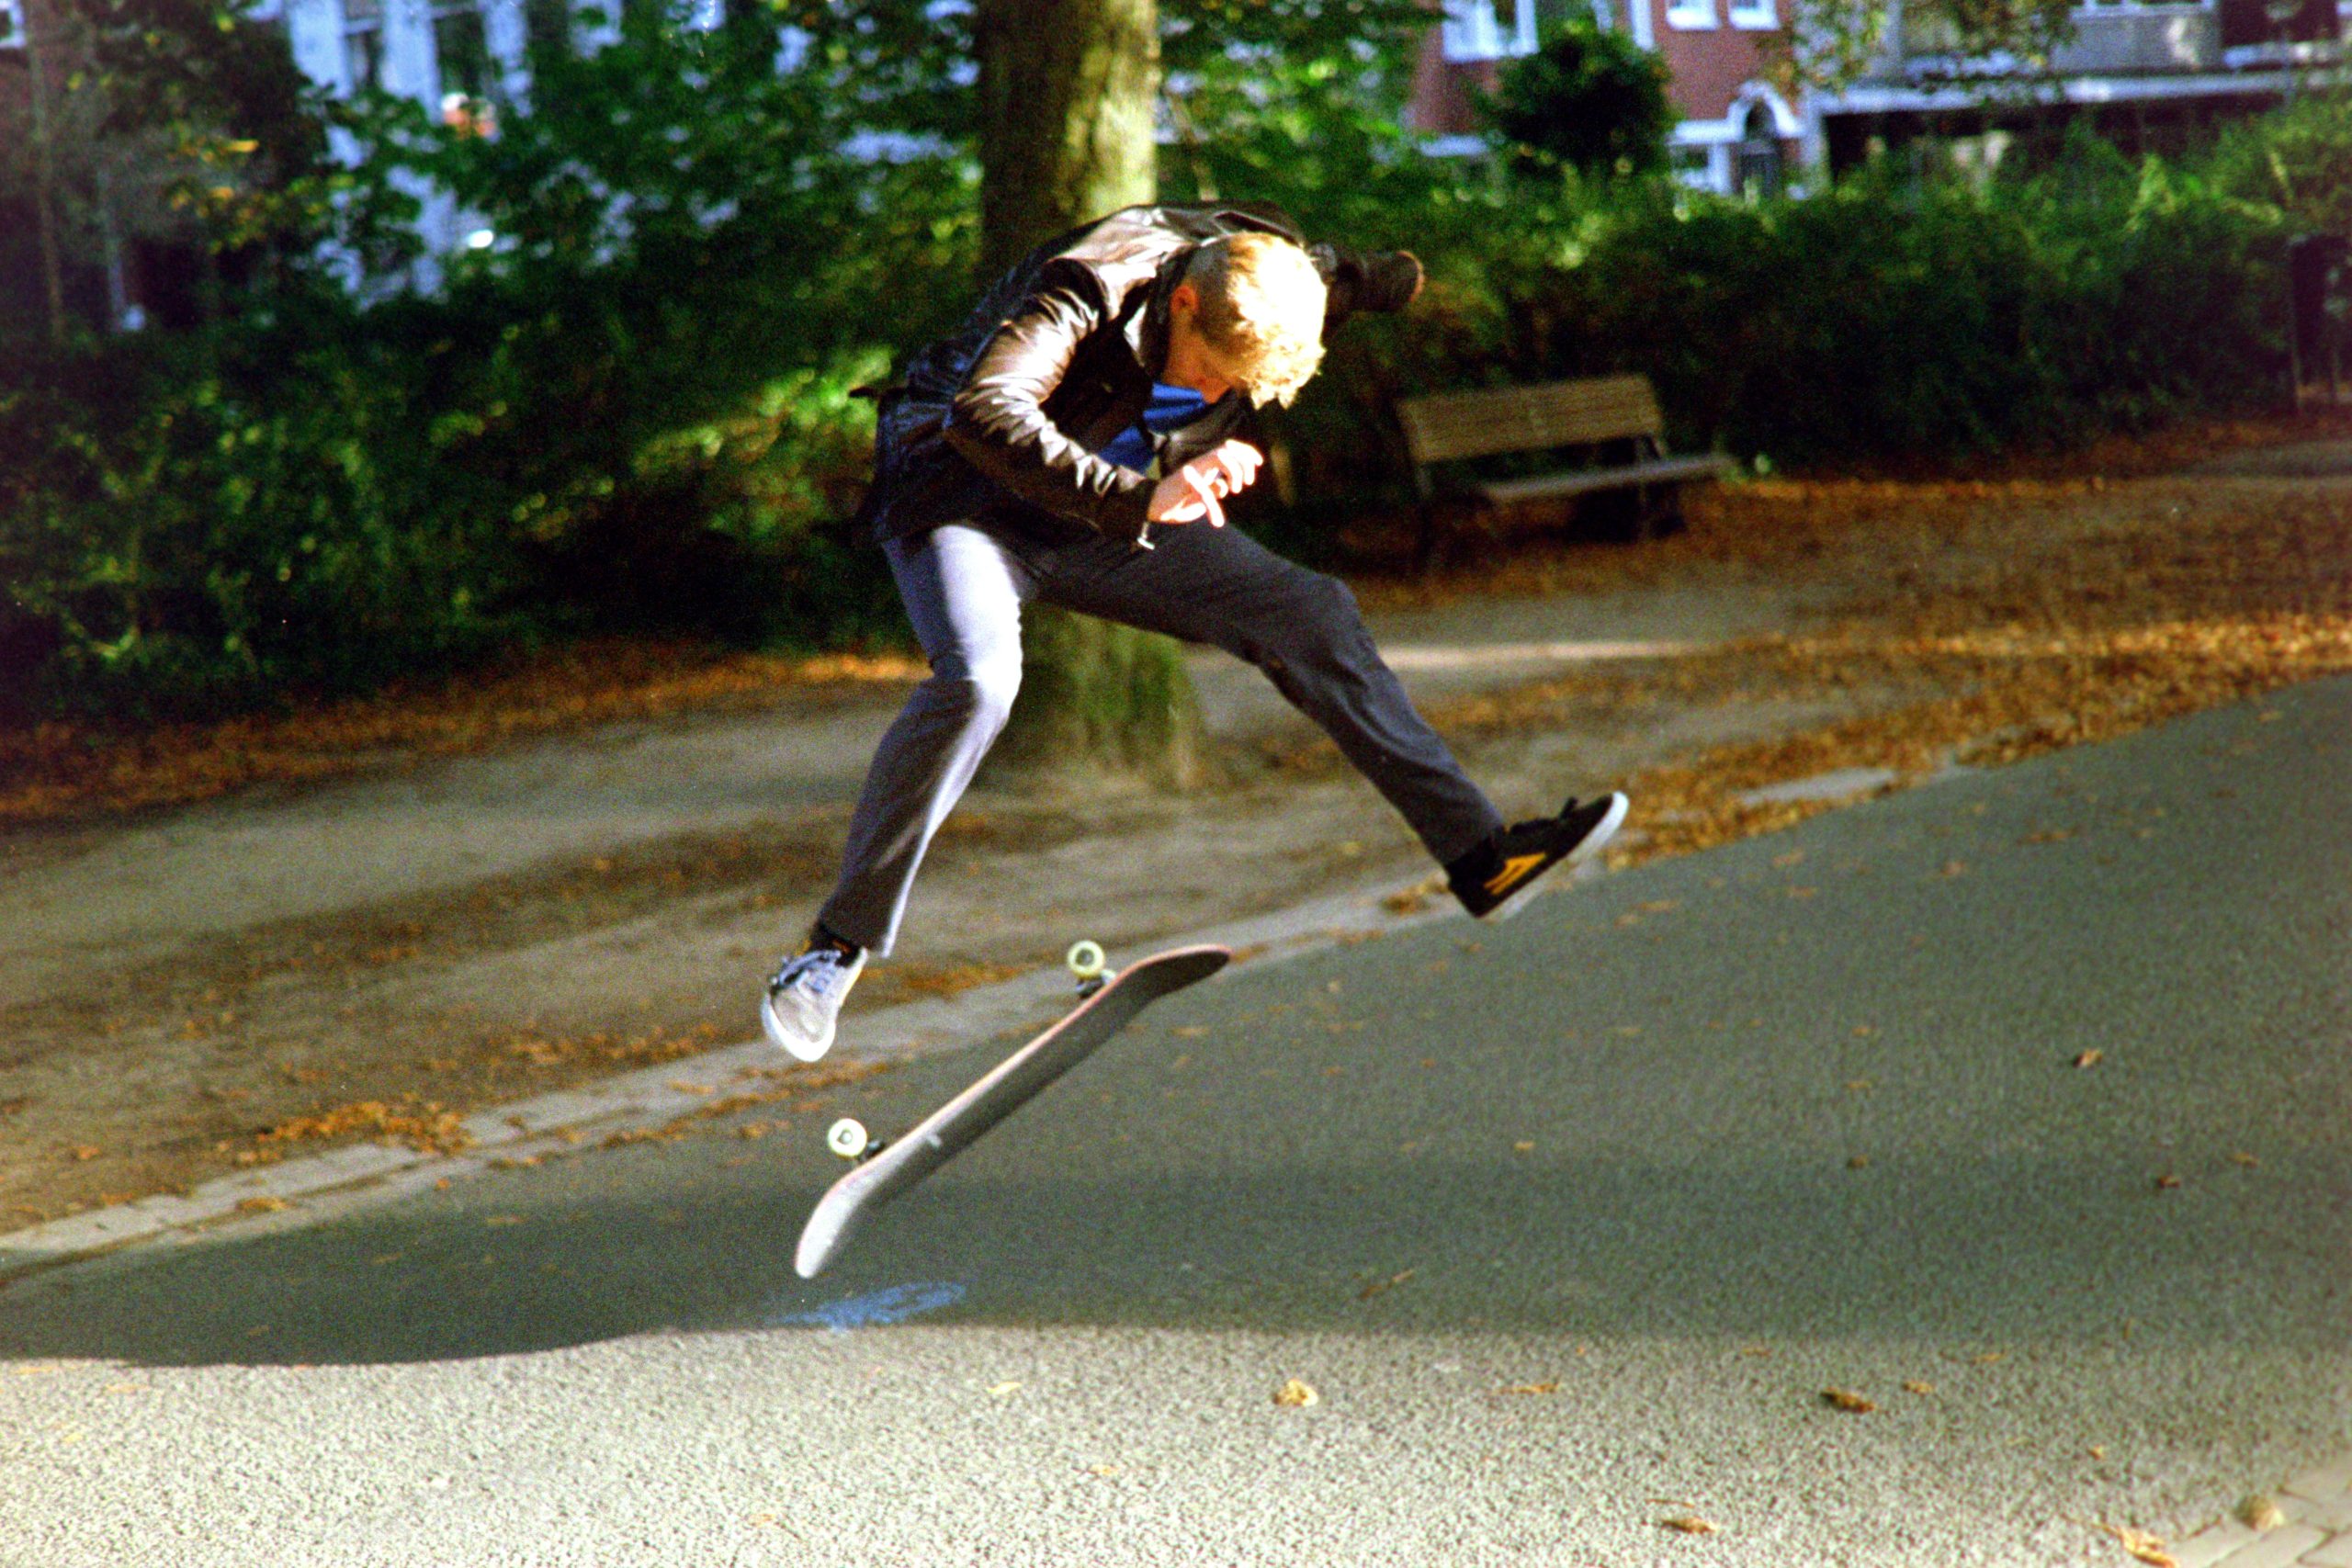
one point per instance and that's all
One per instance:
(805, 997)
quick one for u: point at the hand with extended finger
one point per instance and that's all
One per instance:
(1197, 490)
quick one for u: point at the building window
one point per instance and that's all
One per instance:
(1756, 15)
(1692, 16)
(363, 44)
(12, 24)
(461, 49)
(1488, 29)
(547, 23)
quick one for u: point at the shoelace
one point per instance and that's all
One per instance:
(814, 970)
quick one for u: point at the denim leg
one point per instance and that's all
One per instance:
(962, 591)
(1303, 629)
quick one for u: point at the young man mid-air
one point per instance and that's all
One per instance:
(1069, 445)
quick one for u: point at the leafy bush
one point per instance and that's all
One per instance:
(1591, 99)
(1879, 320)
(630, 408)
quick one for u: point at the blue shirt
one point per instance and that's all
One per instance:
(1169, 408)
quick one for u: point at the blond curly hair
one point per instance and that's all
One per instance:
(1261, 312)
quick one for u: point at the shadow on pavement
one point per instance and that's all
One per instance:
(1986, 1252)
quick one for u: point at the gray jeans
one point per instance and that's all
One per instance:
(963, 587)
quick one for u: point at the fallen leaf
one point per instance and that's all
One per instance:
(1690, 1524)
(264, 1205)
(2166, 1182)
(1002, 1389)
(88, 1152)
(1918, 1386)
(1377, 1286)
(1296, 1395)
(1105, 1470)
(2260, 1513)
(2090, 1058)
(1531, 1388)
(2148, 1549)
(1852, 1404)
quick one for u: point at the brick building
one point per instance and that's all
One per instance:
(2150, 74)
(1734, 131)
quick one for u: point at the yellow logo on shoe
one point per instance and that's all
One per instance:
(1515, 870)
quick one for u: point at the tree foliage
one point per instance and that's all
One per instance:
(1590, 99)
(631, 405)
(1829, 44)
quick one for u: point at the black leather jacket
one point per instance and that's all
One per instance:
(998, 422)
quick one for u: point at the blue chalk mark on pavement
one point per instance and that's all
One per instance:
(876, 1309)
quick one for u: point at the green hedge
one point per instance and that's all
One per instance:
(1878, 322)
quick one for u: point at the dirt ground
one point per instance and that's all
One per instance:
(218, 948)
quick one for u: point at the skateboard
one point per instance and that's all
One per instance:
(1109, 1000)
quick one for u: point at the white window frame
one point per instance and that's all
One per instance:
(12, 24)
(1692, 16)
(1756, 15)
(1472, 31)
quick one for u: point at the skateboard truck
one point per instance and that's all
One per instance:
(1088, 964)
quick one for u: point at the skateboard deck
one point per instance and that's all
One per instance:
(885, 1173)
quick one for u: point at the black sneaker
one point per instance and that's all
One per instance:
(1495, 878)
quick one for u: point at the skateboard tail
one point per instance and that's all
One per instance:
(827, 1232)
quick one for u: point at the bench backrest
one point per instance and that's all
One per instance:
(1448, 426)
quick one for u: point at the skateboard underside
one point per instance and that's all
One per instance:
(1007, 1086)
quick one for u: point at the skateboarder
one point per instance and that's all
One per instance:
(1069, 444)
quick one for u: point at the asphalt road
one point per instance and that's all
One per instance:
(1569, 1223)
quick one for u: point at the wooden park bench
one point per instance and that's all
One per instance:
(1610, 424)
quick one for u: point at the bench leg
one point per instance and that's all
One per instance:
(1425, 538)
(1660, 514)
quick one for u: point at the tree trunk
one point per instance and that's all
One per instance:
(37, 63)
(1067, 89)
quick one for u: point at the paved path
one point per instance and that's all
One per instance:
(1570, 1223)
(124, 895)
